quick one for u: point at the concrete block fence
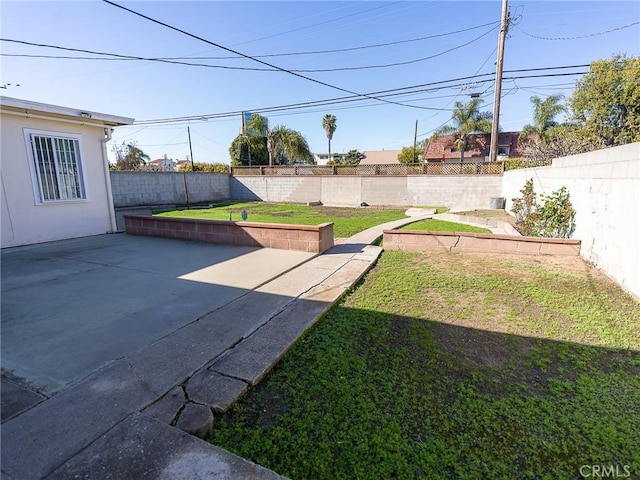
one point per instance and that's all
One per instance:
(134, 189)
(472, 191)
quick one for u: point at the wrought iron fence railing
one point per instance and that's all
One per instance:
(429, 168)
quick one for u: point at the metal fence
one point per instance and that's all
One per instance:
(402, 169)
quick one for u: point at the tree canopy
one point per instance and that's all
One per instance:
(352, 157)
(410, 155)
(467, 119)
(129, 156)
(544, 114)
(279, 145)
(606, 102)
(205, 167)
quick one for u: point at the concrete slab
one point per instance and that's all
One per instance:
(166, 408)
(215, 390)
(147, 319)
(17, 399)
(42, 438)
(253, 358)
(70, 307)
(142, 448)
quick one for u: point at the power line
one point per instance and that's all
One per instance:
(119, 57)
(340, 50)
(579, 37)
(249, 57)
(412, 90)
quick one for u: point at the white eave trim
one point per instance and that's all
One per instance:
(53, 112)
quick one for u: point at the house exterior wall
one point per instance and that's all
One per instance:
(605, 192)
(139, 188)
(24, 221)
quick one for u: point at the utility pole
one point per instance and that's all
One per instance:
(190, 149)
(415, 142)
(504, 27)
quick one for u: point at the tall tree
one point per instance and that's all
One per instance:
(269, 146)
(288, 146)
(129, 156)
(606, 102)
(544, 114)
(244, 145)
(329, 125)
(467, 119)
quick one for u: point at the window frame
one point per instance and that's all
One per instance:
(504, 147)
(36, 176)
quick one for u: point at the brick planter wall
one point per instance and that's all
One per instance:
(417, 241)
(307, 238)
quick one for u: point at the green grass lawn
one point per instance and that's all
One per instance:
(464, 366)
(347, 221)
(436, 225)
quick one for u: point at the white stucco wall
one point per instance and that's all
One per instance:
(24, 221)
(605, 192)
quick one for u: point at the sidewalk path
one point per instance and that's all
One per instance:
(131, 418)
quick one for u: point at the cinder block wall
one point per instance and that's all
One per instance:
(605, 192)
(468, 191)
(133, 188)
(292, 189)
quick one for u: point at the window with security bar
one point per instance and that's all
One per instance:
(56, 166)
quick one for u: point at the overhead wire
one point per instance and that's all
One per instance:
(578, 37)
(249, 57)
(340, 100)
(120, 57)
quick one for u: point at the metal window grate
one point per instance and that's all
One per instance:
(58, 168)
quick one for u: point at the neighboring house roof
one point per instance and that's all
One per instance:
(443, 147)
(380, 157)
(29, 108)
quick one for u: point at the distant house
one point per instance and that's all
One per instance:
(323, 158)
(444, 148)
(55, 172)
(380, 157)
(164, 164)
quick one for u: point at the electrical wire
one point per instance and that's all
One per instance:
(119, 57)
(335, 101)
(346, 49)
(249, 57)
(579, 37)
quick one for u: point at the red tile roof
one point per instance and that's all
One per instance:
(444, 148)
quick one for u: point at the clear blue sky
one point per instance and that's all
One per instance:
(544, 34)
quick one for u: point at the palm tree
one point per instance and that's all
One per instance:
(329, 125)
(544, 113)
(285, 142)
(468, 119)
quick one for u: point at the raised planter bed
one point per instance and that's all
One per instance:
(306, 238)
(416, 241)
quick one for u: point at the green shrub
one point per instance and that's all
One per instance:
(554, 218)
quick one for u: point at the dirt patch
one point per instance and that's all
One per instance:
(500, 215)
